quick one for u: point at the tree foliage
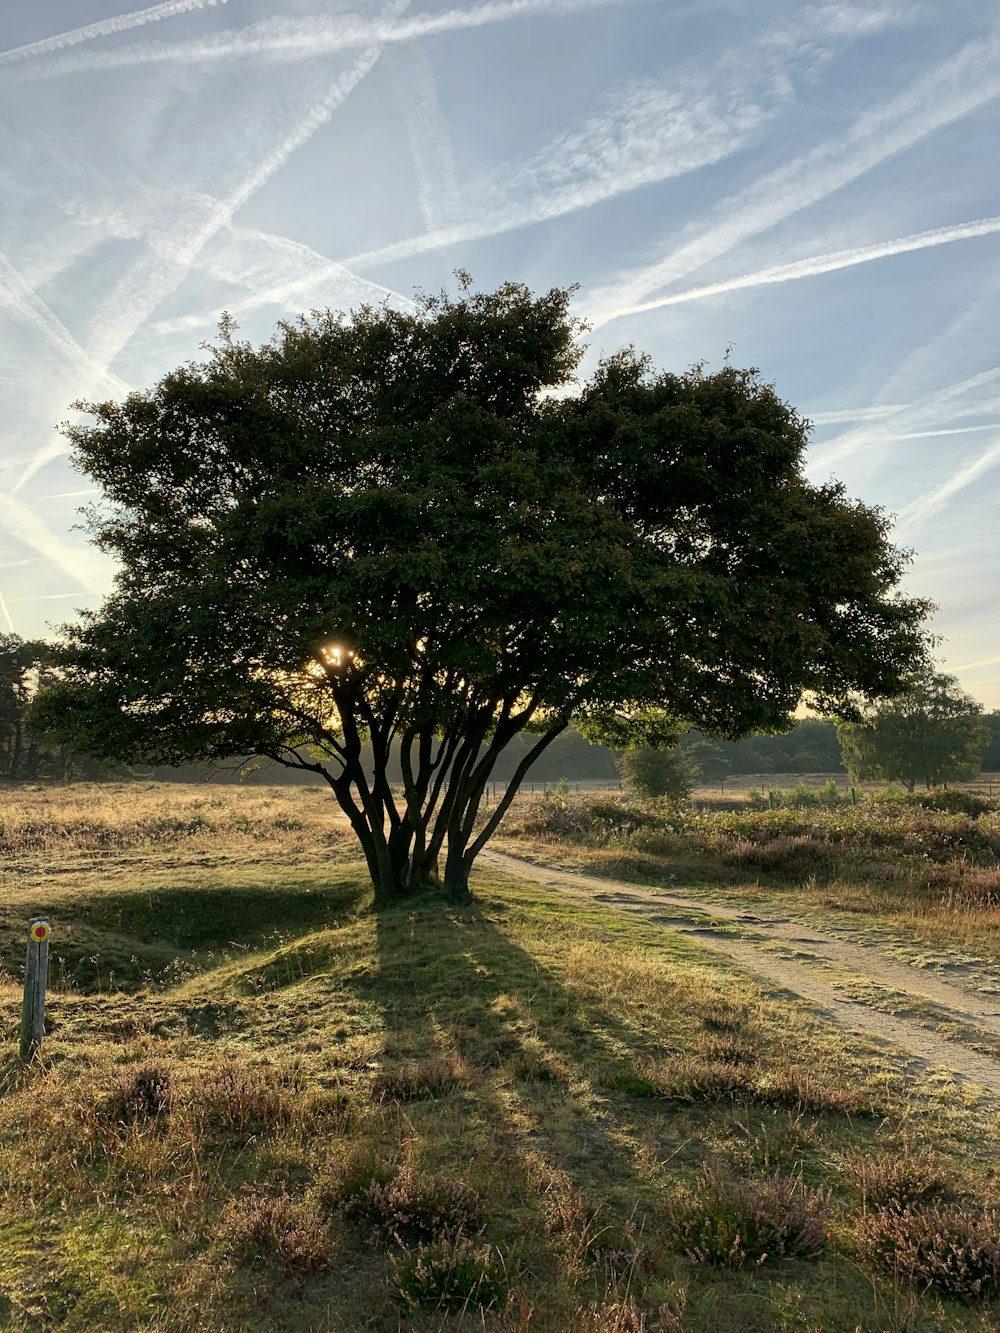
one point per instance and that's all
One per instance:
(384, 530)
(648, 772)
(933, 735)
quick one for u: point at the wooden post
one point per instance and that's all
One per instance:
(36, 971)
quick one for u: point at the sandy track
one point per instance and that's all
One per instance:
(815, 952)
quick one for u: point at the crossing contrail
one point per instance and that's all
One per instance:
(817, 264)
(105, 28)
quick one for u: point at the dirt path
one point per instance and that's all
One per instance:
(764, 945)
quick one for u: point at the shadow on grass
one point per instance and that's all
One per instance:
(534, 1064)
(124, 940)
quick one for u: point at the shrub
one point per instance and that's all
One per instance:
(897, 1179)
(952, 801)
(139, 1094)
(948, 1249)
(256, 1226)
(416, 1206)
(746, 1222)
(450, 1275)
(345, 1180)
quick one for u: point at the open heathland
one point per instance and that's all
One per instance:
(263, 1105)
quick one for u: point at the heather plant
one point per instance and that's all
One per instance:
(744, 1223)
(940, 1247)
(898, 1179)
(137, 1095)
(449, 1275)
(259, 1227)
(419, 1206)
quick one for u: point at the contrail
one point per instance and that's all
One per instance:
(951, 90)
(983, 661)
(18, 296)
(304, 39)
(817, 264)
(149, 282)
(6, 615)
(924, 412)
(856, 414)
(83, 566)
(105, 28)
(928, 505)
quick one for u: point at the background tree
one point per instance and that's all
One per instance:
(650, 772)
(934, 734)
(384, 531)
(991, 755)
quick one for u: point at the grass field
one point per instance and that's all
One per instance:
(262, 1106)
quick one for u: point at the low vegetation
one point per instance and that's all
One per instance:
(261, 1105)
(927, 865)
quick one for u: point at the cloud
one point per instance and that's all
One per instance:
(955, 87)
(818, 264)
(438, 194)
(922, 415)
(89, 569)
(648, 132)
(105, 28)
(295, 39)
(6, 615)
(18, 297)
(934, 501)
(983, 662)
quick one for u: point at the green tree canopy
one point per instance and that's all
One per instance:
(669, 772)
(934, 734)
(383, 528)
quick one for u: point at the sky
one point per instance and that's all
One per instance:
(808, 188)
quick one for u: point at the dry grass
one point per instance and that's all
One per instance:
(262, 1107)
(932, 874)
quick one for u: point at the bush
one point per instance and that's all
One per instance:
(649, 772)
(746, 1222)
(450, 1275)
(948, 1249)
(417, 1079)
(415, 1206)
(952, 802)
(256, 1226)
(897, 1179)
(140, 1094)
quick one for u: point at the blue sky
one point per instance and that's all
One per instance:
(814, 185)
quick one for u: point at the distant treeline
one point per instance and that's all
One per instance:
(810, 747)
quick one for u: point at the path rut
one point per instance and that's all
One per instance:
(814, 949)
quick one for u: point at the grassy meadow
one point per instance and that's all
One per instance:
(260, 1105)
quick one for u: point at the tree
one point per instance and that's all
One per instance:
(388, 529)
(651, 772)
(19, 664)
(934, 734)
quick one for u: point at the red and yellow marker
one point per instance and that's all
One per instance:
(40, 931)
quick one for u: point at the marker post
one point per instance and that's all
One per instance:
(36, 972)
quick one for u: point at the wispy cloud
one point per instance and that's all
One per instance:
(857, 414)
(983, 662)
(105, 28)
(295, 39)
(646, 133)
(85, 567)
(18, 297)
(815, 265)
(438, 195)
(939, 408)
(934, 501)
(168, 256)
(955, 87)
